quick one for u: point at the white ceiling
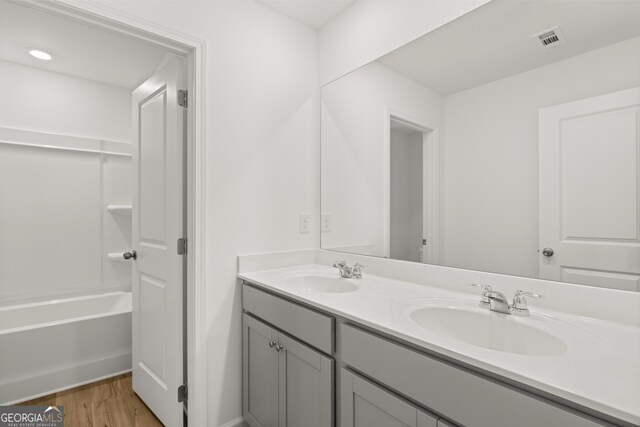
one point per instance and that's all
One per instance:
(313, 13)
(494, 41)
(78, 50)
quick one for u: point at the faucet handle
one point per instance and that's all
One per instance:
(484, 299)
(520, 293)
(356, 270)
(519, 305)
(338, 264)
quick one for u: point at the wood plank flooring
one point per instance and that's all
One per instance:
(106, 403)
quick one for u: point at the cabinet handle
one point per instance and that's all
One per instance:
(272, 343)
(279, 347)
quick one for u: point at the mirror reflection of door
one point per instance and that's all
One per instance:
(408, 198)
(589, 181)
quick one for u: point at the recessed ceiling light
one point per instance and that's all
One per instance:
(39, 54)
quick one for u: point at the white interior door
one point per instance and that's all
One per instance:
(158, 223)
(589, 191)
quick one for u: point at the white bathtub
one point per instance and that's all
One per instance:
(54, 345)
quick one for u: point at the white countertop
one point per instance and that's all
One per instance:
(600, 369)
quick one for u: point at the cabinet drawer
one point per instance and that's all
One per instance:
(314, 328)
(466, 398)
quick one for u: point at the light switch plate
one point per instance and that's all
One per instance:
(305, 223)
(325, 223)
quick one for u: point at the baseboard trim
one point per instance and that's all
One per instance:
(238, 422)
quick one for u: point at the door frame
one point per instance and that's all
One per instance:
(430, 182)
(193, 50)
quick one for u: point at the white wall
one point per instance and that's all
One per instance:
(354, 141)
(34, 99)
(368, 30)
(56, 232)
(491, 172)
(261, 155)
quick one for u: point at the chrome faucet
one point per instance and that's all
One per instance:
(497, 301)
(347, 272)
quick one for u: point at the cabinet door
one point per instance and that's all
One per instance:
(306, 385)
(363, 404)
(259, 374)
(425, 419)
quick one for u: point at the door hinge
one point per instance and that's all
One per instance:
(182, 393)
(183, 98)
(182, 246)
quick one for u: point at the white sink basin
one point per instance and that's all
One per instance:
(460, 321)
(490, 330)
(326, 283)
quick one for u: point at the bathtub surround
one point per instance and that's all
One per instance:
(65, 156)
(58, 229)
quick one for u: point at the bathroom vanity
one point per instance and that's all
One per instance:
(320, 350)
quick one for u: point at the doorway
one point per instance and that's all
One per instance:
(189, 185)
(411, 198)
(406, 200)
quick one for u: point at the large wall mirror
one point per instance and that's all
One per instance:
(506, 141)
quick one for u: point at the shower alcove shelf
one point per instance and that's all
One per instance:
(119, 209)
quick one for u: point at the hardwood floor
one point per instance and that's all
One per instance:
(106, 403)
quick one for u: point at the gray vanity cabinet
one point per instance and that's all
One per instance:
(288, 377)
(260, 366)
(286, 383)
(364, 404)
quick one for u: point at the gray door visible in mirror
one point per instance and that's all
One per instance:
(479, 83)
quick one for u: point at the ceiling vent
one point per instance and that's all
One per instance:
(550, 38)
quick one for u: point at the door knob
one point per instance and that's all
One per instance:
(547, 252)
(129, 255)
